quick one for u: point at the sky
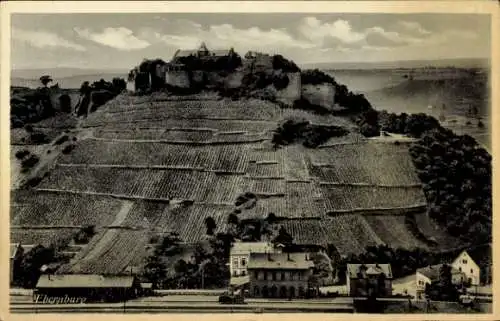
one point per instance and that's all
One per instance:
(121, 41)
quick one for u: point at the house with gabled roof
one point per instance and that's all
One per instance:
(476, 264)
(369, 279)
(431, 273)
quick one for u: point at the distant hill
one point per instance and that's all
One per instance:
(66, 82)
(404, 64)
(62, 72)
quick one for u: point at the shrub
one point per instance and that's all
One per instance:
(281, 81)
(311, 136)
(280, 62)
(68, 148)
(65, 103)
(22, 154)
(29, 162)
(315, 77)
(38, 138)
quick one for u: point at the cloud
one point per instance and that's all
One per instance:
(119, 38)
(44, 39)
(225, 36)
(413, 27)
(340, 34)
(317, 32)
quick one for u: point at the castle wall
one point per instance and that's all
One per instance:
(234, 79)
(320, 95)
(294, 89)
(177, 78)
(131, 86)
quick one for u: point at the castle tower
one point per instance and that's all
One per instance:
(203, 51)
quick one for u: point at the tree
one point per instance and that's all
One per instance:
(155, 270)
(283, 237)
(32, 262)
(233, 219)
(210, 225)
(45, 80)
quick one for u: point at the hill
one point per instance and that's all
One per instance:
(70, 82)
(405, 64)
(155, 164)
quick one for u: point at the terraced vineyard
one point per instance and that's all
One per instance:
(55, 209)
(143, 154)
(364, 198)
(43, 236)
(226, 158)
(393, 230)
(112, 252)
(369, 163)
(162, 184)
(348, 233)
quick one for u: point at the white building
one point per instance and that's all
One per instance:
(240, 255)
(429, 274)
(475, 264)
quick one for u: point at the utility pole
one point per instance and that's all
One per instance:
(203, 276)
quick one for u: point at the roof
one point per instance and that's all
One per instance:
(186, 53)
(369, 269)
(242, 248)
(84, 281)
(220, 52)
(291, 261)
(239, 280)
(14, 247)
(432, 271)
(482, 255)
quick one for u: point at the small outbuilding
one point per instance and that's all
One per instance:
(91, 287)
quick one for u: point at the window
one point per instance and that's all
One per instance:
(265, 276)
(464, 261)
(460, 269)
(291, 276)
(274, 276)
(282, 276)
(243, 273)
(243, 262)
(235, 262)
(471, 270)
(299, 274)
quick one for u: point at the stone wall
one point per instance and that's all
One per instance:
(294, 89)
(234, 79)
(320, 95)
(178, 78)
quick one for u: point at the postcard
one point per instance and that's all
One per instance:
(248, 159)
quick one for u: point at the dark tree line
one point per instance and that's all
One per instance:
(301, 130)
(456, 176)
